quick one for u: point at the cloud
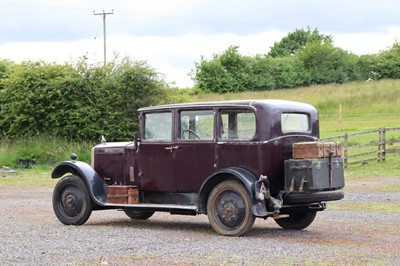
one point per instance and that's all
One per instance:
(367, 43)
(172, 35)
(173, 56)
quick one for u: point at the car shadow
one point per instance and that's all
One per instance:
(195, 226)
(156, 224)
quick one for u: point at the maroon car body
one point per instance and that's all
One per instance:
(223, 159)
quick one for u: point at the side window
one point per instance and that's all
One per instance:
(237, 125)
(158, 126)
(197, 125)
(292, 122)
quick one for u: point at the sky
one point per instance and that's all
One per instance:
(173, 35)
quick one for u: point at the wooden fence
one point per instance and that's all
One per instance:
(367, 146)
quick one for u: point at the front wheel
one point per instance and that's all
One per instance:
(229, 209)
(71, 201)
(298, 219)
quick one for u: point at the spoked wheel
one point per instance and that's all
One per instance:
(138, 215)
(298, 219)
(229, 209)
(71, 201)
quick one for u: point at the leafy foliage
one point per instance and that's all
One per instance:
(387, 64)
(228, 72)
(326, 63)
(296, 40)
(76, 102)
(231, 72)
(302, 58)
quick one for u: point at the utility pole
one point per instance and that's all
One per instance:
(104, 14)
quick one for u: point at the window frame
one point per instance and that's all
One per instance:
(179, 125)
(144, 118)
(237, 111)
(309, 129)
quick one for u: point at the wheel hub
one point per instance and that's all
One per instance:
(70, 202)
(231, 210)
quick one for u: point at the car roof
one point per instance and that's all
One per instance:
(267, 103)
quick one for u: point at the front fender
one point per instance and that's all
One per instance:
(96, 186)
(232, 173)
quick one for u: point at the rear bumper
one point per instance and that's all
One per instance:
(311, 197)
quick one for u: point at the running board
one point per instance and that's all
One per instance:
(173, 208)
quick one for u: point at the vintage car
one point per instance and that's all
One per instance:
(231, 160)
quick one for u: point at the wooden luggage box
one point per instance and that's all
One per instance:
(123, 194)
(316, 149)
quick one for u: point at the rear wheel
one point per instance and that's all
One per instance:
(71, 201)
(229, 209)
(298, 219)
(138, 215)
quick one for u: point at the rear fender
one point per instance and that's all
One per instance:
(232, 173)
(96, 186)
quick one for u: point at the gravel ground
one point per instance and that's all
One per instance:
(30, 234)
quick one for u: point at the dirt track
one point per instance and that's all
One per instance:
(30, 234)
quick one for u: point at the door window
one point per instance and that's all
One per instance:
(158, 126)
(197, 125)
(237, 125)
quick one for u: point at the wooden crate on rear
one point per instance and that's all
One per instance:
(316, 149)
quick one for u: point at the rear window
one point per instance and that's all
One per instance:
(294, 122)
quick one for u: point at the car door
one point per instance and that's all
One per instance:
(155, 153)
(194, 154)
(236, 148)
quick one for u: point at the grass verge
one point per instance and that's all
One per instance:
(38, 175)
(370, 206)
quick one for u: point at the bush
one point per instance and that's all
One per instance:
(76, 102)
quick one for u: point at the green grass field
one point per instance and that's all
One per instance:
(343, 108)
(349, 107)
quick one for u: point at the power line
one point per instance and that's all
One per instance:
(104, 14)
(202, 20)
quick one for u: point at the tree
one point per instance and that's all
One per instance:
(290, 44)
(77, 102)
(227, 72)
(40, 98)
(130, 85)
(387, 64)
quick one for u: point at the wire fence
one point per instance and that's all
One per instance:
(348, 121)
(367, 146)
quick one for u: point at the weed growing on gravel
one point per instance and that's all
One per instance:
(354, 206)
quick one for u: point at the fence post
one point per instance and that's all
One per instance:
(379, 145)
(345, 144)
(383, 146)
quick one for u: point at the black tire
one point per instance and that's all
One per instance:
(71, 201)
(139, 215)
(298, 219)
(229, 209)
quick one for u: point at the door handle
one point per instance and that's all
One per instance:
(171, 148)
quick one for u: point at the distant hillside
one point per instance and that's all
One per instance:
(364, 105)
